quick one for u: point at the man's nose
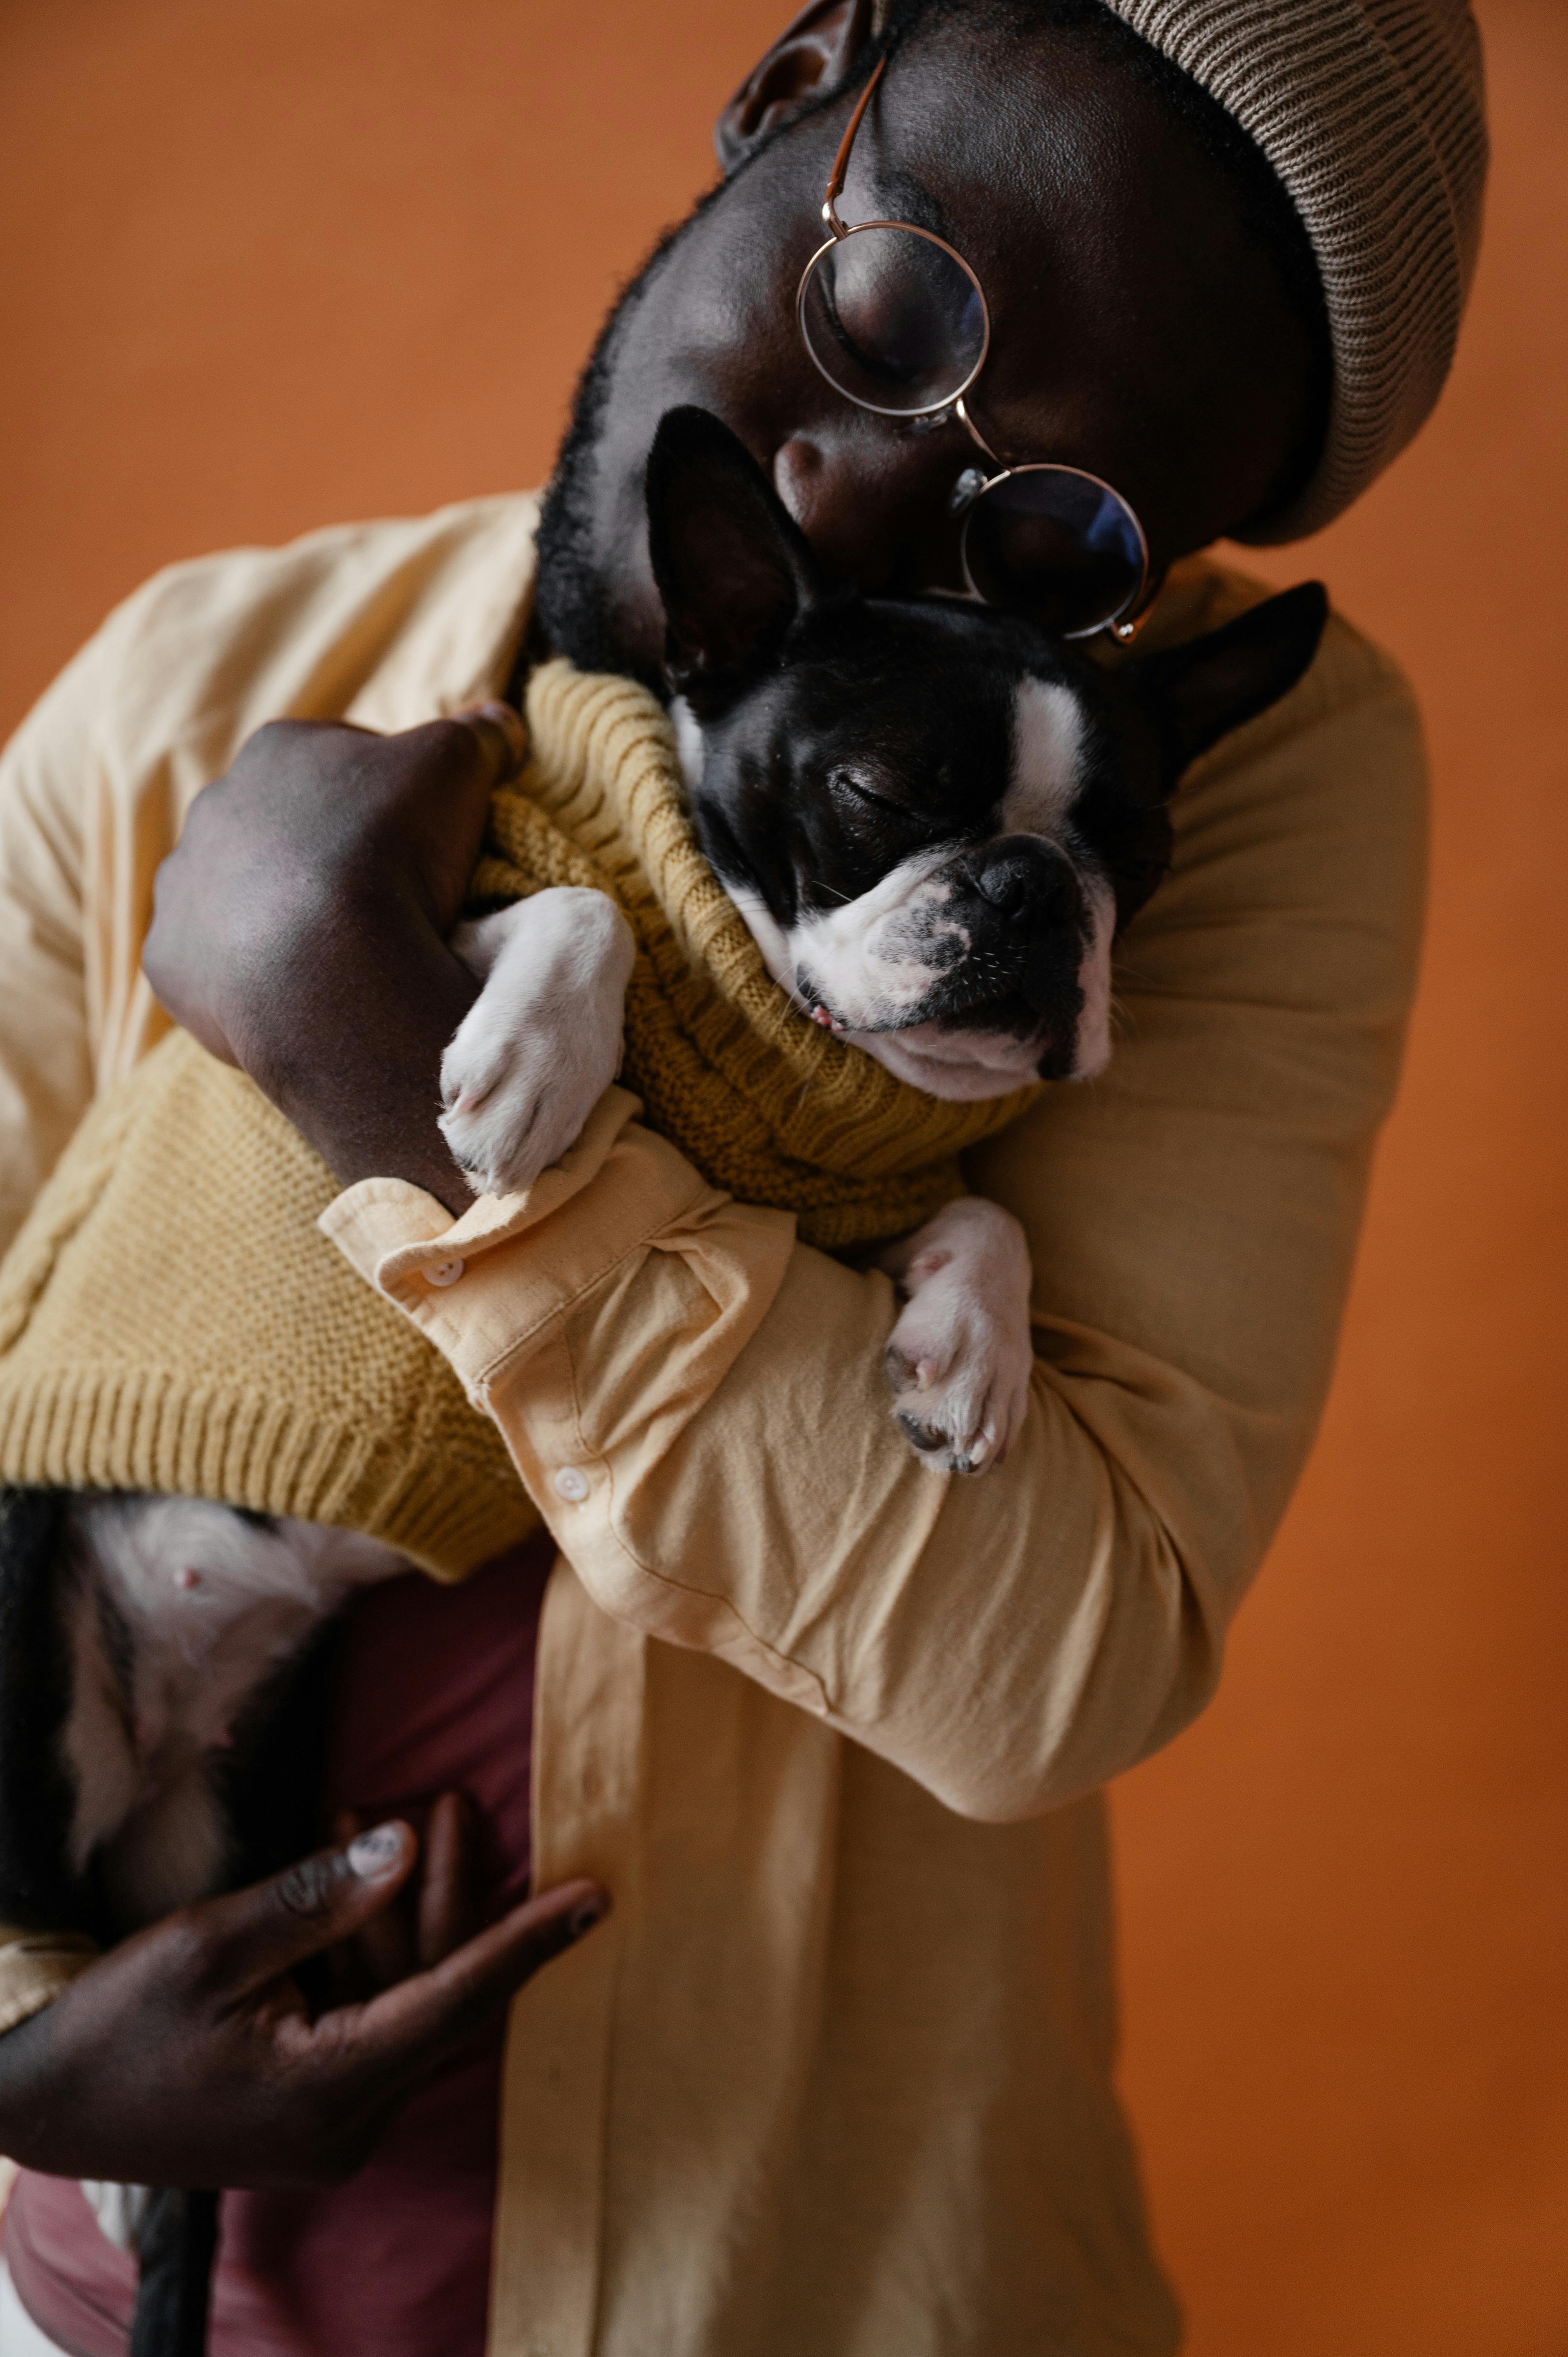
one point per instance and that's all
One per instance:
(872, 498)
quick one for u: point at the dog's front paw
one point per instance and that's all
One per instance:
(959, 1358)
(515, 1101)
(542, 1043)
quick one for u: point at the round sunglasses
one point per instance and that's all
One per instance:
(894, 319)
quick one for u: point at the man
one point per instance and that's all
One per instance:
(835, 2073)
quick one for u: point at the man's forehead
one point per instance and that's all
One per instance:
(1021, 144)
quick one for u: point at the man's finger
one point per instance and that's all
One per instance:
(446, 1914)
(502, 735)
(409, 2027)
(254, 1936)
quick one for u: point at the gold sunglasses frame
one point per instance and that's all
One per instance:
(1124, 620)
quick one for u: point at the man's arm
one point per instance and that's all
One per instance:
(46, 1062)
(696, 1401)
(396, 620)
(93, 789)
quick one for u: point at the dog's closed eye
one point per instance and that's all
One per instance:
(862, 803)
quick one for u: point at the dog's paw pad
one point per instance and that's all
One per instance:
(949, 1444)
(923, 1437)
(908, 1372)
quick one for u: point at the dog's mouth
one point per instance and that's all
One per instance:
(991, 1021)
(963, 1066)
(973, 1019)
(980, 990)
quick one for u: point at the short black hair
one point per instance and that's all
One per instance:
(1268, 213)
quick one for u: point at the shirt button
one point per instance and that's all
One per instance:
(571, 1483)
(443, 1272)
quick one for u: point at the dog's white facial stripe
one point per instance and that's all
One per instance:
(1094, 982)
(1048, 761)
(689, 743)
(1047, 779)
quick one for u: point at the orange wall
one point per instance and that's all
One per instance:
(282, 260)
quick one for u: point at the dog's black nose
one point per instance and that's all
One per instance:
(1028, 881)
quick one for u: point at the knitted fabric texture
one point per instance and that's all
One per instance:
(171, 1318)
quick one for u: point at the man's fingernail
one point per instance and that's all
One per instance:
(587, 1914)
(506, 731)
(377, 1852)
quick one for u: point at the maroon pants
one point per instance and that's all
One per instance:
(435, 1690)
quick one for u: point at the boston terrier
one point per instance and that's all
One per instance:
(935, 823)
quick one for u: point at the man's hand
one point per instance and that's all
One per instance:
(300, 927)
(187, 2056)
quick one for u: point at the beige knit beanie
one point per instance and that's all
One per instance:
(1372, 113)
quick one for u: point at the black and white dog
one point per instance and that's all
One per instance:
(935, 823)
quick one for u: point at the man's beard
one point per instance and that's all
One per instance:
(573, 599)
(570, 605)
(574, 604)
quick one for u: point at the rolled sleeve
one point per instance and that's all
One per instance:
(595, 1318)
(489, 1288)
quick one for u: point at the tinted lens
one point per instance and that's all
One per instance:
(893, 319)
(1055, 544)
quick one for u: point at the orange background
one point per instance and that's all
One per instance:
(278, 262)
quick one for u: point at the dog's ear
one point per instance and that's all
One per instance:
(1201, 691)
(733, 568)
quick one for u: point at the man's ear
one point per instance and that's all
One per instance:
(811, 55)
(1204, 689)
(733, 568)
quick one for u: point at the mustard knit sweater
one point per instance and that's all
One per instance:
(171, 1318)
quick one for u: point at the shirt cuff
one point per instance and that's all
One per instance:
(35, 1968)
(408, 1246)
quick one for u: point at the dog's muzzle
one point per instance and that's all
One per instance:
(994, 940)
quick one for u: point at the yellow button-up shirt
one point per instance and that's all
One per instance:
(836, 2075)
